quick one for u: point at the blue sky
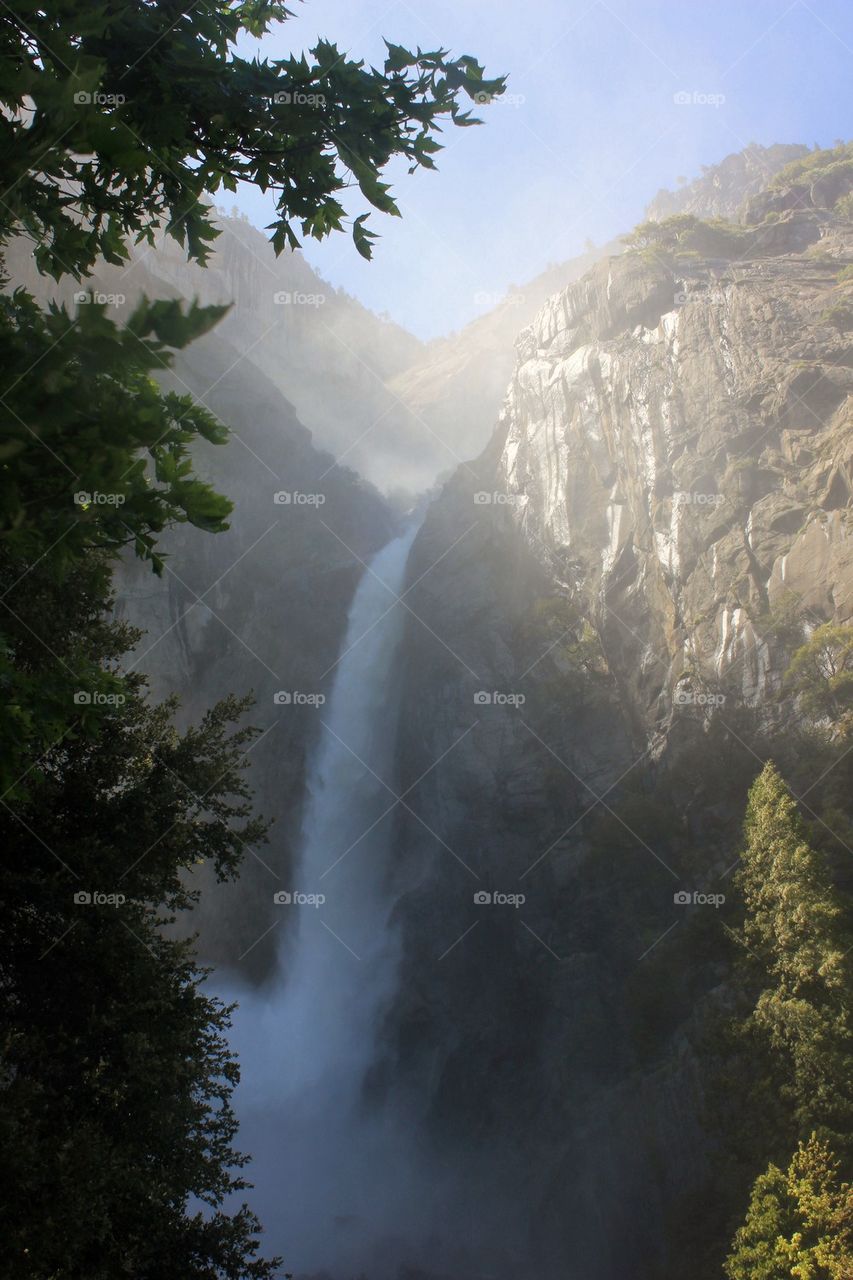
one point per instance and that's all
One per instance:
(590, 132)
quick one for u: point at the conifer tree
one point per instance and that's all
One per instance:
(797, 960)
(799, 1223)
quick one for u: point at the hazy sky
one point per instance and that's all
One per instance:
(590, 132)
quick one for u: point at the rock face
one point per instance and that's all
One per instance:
(455, 386)
(662, 514)
(722, 189)
(398, 411)
(683, 442)
(329, 356)
(259, 609)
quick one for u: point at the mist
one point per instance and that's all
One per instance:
(319, 1134)
(443, 657)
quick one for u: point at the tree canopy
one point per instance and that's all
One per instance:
(799, 1223)
(797, 959)
(794, 1048)
(121, 117)
(821, 673)
(120, 120)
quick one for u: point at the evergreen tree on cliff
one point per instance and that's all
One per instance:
(796, 938)
(799, 1223)
(798, 1034)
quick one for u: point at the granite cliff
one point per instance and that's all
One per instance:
(605, 604)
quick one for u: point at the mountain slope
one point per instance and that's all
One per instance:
(722, 188)
(456, 385)
(604, 605)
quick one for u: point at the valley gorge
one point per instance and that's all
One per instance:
(599, 611)
(580, 542)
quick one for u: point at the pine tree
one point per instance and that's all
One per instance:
(799, 1224)
(796, 948)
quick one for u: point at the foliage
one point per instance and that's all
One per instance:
(116, 1073)
(796, 944)
(821, 673)
(812, 166)
(119, 118)
(683, 233)
(799, 1223)
(843, 208)
(839, 315)
(94, 458)
(95, 415)
(571, 639)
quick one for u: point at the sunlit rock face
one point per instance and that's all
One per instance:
(684, 442)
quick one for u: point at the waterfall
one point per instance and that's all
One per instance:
(329, 1175)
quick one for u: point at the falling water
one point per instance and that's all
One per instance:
(329, 1176)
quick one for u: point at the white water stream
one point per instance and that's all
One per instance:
(330, 1175)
